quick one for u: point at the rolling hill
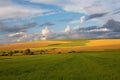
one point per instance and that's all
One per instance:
(84, 45)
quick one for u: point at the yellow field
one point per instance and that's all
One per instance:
(106, 42)
(37, 44)
(91, 45)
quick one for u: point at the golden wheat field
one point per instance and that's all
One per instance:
(37, 44)
(104, 42)
(66, 45)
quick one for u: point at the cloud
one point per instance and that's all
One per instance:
(45, 33)
(97, 15)
(9, 9)
(110, 30)
(17, 28)
(82, 19)
(117, 12)
(18, 34)
(47, 24)
(67, 29)
(91, 32)
(74, 21)
(113, 25)
(95, 8)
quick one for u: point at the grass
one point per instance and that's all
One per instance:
(76, 66)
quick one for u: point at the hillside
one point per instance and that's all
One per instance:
(66, 44)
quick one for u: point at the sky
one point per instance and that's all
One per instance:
(29, 20)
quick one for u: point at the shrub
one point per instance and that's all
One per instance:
(59, 52)
(72, 52)
(16, 51)
(4, 54)
(10, 53)
(27, 51)
(79, 51)
(21, 51)
(32, 53)
(42, 51)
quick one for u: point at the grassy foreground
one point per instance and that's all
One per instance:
(75, 66)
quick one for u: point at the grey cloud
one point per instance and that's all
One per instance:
(97, 15)
(113, 25)
(118, 12)
(91, 32)
(17, 28)
(47, 24)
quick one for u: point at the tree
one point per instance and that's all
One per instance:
(27, 51)
(10, 53)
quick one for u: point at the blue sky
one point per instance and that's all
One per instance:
(54, 14)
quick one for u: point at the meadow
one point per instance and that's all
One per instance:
(103, 65)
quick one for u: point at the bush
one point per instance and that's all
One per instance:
(16, 51)
(4, 54)
(27, 51)
(21, 51)
(72, 52)
(10, 53)
(42, 51)
(59, 52)
(32, 53)
(79, 51)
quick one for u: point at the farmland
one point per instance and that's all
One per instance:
(63, 44)
(62, 60)
(76, 66)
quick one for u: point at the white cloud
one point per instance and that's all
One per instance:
(8, 9)
(45, 33)
(82, 19)
(67, 29)
(18, 12)
(16, 34)
(99, 30)
(86, 6)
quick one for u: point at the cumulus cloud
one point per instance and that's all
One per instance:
(67, 29)
(45, 33)
(113, 25)
(82, 19)
(91, 32)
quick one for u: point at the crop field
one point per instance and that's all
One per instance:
(84, 45)
(44, 44)
(61, 60)
(75, 66)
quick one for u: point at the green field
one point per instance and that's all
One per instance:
(71, 43)
(74, 66)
